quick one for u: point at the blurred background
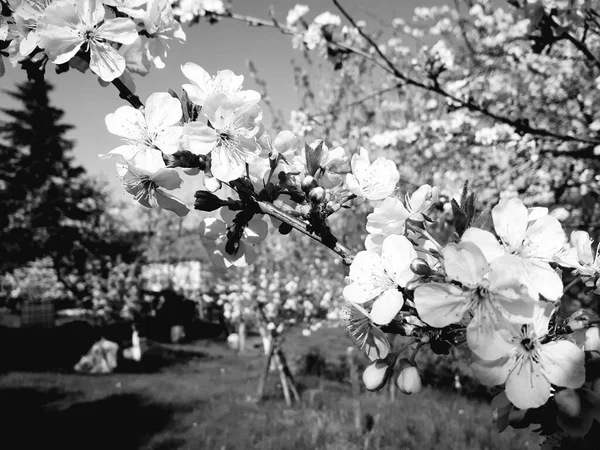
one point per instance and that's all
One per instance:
(117, 329)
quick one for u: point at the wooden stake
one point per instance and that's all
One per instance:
(263, 378)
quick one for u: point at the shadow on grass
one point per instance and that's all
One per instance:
(37, 419)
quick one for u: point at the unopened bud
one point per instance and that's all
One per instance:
(409, 380)
(205, 201)
(317, 195)
(212, 184)
(376, 374)
(568, 402)
(420, 267)
(592, 340)
(308, 183)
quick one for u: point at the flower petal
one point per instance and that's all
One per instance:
(256, 231)
(510, 221)
(465, 263)
(441, 304)
(119, 30)
(486, 242)
(167, 178)
(397, 254)
(526, 386)
(105, 61)
(562, 362)
(199, 138)
(492, 372)
(127, 122)
(386, 306)
(168, 139)
(170, 202)
(162, 111)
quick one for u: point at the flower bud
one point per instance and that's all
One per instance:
(317, 195)
(409, 380)
(592, 340)
(212, 184)
(308, 183)
(420, 267)
(205, 201)
(376, 374)
(568, 402)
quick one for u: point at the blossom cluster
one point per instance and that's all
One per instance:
(114, 38)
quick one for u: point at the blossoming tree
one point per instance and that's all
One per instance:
(494, 288)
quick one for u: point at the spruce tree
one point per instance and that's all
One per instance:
(47, 204)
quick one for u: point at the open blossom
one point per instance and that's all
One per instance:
(230, 139)
(295, 14)
(374, 181)
(161, 27)
(156, 128)
(146, 177)
(390, 216)
(579, 255)
(216, 228)
(201, 85)
(532, 365)
(27, 16)
(491, 292)
(534, 236)
(68, 25)
(376, 278)
(367, 335)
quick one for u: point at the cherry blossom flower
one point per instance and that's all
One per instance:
(491, 292)
(390, 216)
(532, 365)
(374, 181)
(230, 139)
(579, 255)
(68, 25)
(534, 236)
(366, 334)
(145, 176)
(377, 278)
(27, 17)
(202, 85)
(217, 229)
(156, 128)
(161, 28)
(295, 14)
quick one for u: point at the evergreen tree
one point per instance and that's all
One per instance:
(48, 206)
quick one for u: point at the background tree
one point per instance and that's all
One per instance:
(50, 208)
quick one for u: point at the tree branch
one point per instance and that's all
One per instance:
(126, 94)
(336, 246)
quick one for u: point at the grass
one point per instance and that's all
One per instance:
(201, 400)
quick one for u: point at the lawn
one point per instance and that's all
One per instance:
(199, 396)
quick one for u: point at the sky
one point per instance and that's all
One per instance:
(226, 45)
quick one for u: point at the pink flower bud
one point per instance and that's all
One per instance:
(376, 374)
(409, 380)
(308, 183)
(420, 267)
(317, 195)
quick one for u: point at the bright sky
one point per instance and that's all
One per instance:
(227, 45)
